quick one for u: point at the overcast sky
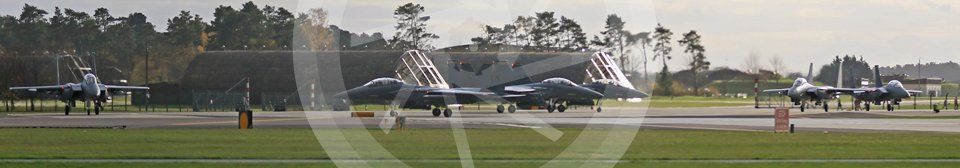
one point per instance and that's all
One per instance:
(885, 32)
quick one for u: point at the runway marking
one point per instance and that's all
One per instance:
(704, 128)
(479, 160)
(235, 121)
(515, 125)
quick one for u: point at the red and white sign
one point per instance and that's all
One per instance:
(781, 120)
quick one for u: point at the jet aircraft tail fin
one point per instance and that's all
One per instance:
(876, 76)
(840, 75)
(810, 74)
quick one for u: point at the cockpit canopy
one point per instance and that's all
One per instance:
(895, 83)
(799, 81)
(89, 78)
(561, 81)
(607, 82)
(382, 82)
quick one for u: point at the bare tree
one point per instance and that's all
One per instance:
(752, 63)
(776, 62)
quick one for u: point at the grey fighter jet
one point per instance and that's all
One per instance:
(554, 93)
(396, 93)
(801, 92)
(892, 93)
(89, 90)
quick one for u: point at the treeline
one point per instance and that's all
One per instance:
(947, 70)
(545, 31)
(127, 46)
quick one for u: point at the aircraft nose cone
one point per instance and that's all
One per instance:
(638, 94)
(593, 94)
(341, 95)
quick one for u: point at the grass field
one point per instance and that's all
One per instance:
(650, 147)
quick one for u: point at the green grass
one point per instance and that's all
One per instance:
(650, 148)
(488, 164)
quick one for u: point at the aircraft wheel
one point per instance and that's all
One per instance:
(393, 113)
(550, 108)
(436, 112)
(447, 112)
(867, 107)
(826, 107)
(66, 110)
(599, 109)
(499, 108)
(561, 108)
(96, 110)
(88, 110)
(803, 107)
(512, 108)
(889, 107)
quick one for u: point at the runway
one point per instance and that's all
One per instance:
(729, 118)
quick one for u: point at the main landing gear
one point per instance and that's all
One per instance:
(803, 107)
(556, 107)
(97, 107)
(511, 109)
(447, 112)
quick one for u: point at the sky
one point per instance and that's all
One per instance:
(884, 32)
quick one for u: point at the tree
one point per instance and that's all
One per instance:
(664, 82)
(662, 50)
(280, 26)
(225, 29)
(102, 18)
(187, 30)
(645, 40)
(853, 70)
(544, 30)
(699, 61)
(313, 29)
(615, 39)
(570, 36)
(412, 28)
(752, 63)
(31, 30)
(776, 63)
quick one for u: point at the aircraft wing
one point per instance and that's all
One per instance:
(40, 88)
(455, 92)
(459, 95)
(847, 90)
(115, 87)
(777, 91)
(914, 92)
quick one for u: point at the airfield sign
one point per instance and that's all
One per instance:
(781, 120)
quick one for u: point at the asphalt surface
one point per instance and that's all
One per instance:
(729, 118)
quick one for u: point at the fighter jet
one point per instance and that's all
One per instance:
(893, 92)
(554, 93)
(89, 90)
(802, 91)
(396, 93)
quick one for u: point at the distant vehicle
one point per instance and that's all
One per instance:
(892, 93)
(802, 92)
(554, 93)
(89, 90)
(396, 93)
